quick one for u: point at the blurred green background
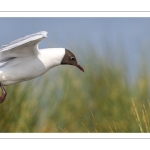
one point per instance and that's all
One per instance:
(112, 95)
(67, 100)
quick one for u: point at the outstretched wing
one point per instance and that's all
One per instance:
(22, 47)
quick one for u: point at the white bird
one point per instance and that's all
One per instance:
(22, 60)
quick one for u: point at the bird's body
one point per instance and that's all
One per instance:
(22, 60)
(29, 67)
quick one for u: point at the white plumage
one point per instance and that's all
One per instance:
(22, 60)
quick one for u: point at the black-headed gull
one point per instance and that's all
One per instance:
(22, 60)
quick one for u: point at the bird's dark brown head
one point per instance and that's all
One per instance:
(70, 59)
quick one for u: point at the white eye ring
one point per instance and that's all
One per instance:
(72, 58)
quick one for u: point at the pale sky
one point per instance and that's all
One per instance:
(133, 34)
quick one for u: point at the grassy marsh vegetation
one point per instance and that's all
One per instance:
(99, 100)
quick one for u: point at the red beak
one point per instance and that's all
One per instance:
(80, 67)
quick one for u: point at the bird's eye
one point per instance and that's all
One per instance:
(72, 58)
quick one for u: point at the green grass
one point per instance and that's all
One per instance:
(99, 100)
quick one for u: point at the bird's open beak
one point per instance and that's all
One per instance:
(80, 67)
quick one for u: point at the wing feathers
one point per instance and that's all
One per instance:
(29, 38)
(25, 46)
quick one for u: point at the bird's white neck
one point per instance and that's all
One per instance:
(51, 57)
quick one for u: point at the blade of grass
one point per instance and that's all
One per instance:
(137, 116)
